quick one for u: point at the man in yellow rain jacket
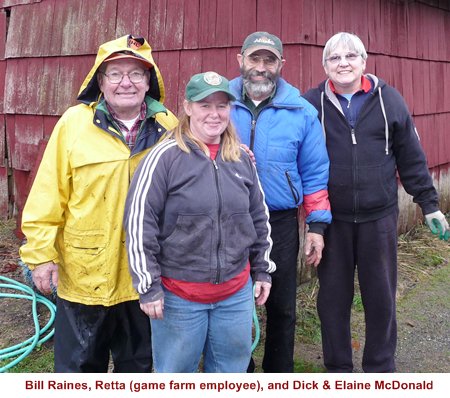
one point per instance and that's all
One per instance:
(73, 216)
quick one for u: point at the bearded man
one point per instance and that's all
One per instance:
(283, 131)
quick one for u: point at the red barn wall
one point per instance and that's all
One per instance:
(48, 46)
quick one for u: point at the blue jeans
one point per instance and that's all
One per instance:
(222, 331)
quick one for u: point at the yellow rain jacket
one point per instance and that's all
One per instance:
(74, 212)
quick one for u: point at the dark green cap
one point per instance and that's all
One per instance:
(262, 41)
(203, 84)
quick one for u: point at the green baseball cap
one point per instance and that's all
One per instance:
(203, 84)
(262, 41)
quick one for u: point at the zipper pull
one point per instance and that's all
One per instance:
(348, 104)
(353, 137)
(215, 164)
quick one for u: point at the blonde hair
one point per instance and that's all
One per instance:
(230, 144)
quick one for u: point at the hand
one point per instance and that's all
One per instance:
(45, 276)
(262, 290)
(438, 224)
(313, 248)
(154, 309)
(249, 152)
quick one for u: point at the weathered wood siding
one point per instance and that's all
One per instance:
(48, 46)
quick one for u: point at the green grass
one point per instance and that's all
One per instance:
(357, 303)
(301, 366)
(39, 361)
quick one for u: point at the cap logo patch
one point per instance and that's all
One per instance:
(212, 78)
(264, 40)
(134, 42)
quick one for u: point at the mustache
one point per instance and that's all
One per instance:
(255, 73)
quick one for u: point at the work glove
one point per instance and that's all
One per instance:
(438, 224)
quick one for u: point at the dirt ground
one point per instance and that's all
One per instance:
(423, 305)
(423, 309)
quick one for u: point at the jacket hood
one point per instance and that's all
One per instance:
(90, 91)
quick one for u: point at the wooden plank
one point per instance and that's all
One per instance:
(324, 22)
(3, 162)
(440, 121)
(306, 62)
(71, 74)
(10, 3)
(348, 18)
(418, 89)
(30, 30)
(446, 92)
(292, 71)
(224, 26)
(268, 17)
(23, 134)
(49, 125)
(191, 25)
(232, 67)
(412, 21)
(169, 63)
(19, 195)
(317, 72)
(2, 84)
(214, 59)
(291, 18)
(166, 24)
(435, 88)
(3, 25)
(48, 86)
(4, 194)
(407, 82)
(207, 24)
(399, 27)
(133, 19)
(426, 81)
(244, 15)
(376, 28)
(82, 32)
(60, 28)
(190, 64)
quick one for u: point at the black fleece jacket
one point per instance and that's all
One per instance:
(365, 160)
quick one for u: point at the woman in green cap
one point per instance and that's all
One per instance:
(197, 235)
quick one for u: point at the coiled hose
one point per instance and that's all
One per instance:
(22, 350)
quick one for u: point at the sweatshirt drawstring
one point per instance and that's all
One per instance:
(322, 117)
(386, 126)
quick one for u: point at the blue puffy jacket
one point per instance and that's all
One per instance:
(289, 148)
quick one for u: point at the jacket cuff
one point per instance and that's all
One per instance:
(262, 277)
(155, 293)
(317, 227)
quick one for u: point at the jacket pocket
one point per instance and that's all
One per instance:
(240, 235)
(294, 192)
(85, 267)
(377, 187)
(189, 244)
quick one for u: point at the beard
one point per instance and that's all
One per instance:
(259, 89)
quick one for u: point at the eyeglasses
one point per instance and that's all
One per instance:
(116, 77)
(268, 60)
(335, 59)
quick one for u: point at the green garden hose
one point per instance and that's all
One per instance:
(22, 350)
(255, 323)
